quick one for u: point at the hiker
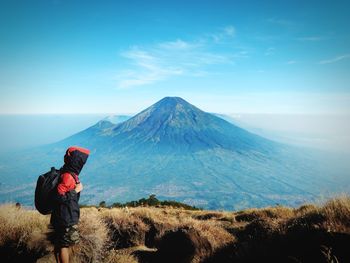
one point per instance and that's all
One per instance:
(66, 212)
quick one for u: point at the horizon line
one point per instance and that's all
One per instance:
(134, 113)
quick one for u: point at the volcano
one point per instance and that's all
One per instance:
(173, 125)
(177, 151)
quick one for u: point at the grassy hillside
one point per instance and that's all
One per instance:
(309, 233)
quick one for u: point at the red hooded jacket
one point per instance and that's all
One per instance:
(73, 164)
(66, 210)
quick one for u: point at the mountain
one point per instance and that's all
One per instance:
(172, 124)
(176, 151)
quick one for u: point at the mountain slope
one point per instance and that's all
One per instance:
(174, 124)
(175, 150)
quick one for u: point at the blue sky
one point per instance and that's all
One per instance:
(222, 56)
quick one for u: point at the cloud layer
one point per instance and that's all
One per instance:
(164, 60)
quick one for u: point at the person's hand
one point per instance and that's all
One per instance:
(79, 187)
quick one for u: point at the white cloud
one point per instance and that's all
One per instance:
(336, 59)
(164, 60)
(290, 62)
(178, 44)
(149, 69)
(225, 33)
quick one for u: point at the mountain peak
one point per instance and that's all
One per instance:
(171, 102)
(167, 112)
(174, 123)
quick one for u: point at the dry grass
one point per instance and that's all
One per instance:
(309, 233)
(117, 256)
(125, 229)
(93, 237)
(337, 214)
(304, 209)
(211, 230)
(19, 225)
(115, 235)
(158, 220)
(333, 216)
(23, 233)
(278, 212)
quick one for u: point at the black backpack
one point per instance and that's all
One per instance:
(45, 190)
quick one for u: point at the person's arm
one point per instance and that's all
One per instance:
(67, 189)
(79, 187)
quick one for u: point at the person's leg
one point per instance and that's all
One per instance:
(57, 252)
(65, 237)
(64, 255)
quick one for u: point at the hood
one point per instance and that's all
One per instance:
(74, 159)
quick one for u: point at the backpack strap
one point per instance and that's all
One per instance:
(75, 177)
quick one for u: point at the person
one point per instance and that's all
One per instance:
(65, 214)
